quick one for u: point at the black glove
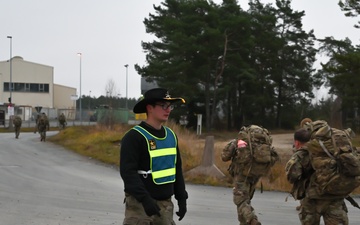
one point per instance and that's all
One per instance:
(182, 209)
(150, 207)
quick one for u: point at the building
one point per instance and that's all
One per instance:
(31, 85)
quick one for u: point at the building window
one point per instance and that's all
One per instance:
(27, 87)
(34, 87)
(46, 88)
(41, 87)
(7, 86)
(20, 87)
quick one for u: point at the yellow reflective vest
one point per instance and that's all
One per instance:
(162, 153)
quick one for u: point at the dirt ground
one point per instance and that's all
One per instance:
(283, 142)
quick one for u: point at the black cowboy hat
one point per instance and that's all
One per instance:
(152, 96)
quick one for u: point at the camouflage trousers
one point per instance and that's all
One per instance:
(17, 131)
(333, 211)
(135, 213)
(42, 135)
(243, 192)
(62, 124)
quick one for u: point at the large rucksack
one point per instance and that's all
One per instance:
(258, 155)
(43, 122)
(17, 121)
(335, 161)
(62, 118)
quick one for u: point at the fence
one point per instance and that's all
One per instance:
(88, 117)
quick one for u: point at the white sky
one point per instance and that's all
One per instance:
(108, 33)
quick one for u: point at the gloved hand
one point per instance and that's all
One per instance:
(150, 207)
(182, 209)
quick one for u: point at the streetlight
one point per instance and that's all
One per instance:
(126, 100)
(10, 87)
(80, 55)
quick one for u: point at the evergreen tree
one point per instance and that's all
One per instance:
(351, 9)
(342, 72)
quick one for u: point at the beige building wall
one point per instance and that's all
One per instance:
(62, 97)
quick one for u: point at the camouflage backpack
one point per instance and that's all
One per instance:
(42, 120)
(335, 161)
(62, 118)
(17, 121)
(258, 155)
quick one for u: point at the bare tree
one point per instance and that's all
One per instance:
(108, 118)
(110, 88)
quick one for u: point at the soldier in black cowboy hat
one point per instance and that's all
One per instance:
(150, 164)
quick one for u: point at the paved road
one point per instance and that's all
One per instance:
(44, 184)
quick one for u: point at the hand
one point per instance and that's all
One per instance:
(151, 207)
(182, 209)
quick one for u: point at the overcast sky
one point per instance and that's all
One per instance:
(108, 33)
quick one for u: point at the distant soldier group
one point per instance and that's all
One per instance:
(42, 124)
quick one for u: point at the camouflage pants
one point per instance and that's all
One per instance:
(135, 213)
(334, 212)
(62, 124)
(42, 133)
(243, 192)
(17, 131)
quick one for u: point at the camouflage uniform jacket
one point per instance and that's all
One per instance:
(228, 153)
(229, 150)
(298, 172)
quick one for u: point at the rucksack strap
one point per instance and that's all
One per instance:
(325, 150)
(250, 146)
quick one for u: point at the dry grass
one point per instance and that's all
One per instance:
(93, 141)
(104, 145)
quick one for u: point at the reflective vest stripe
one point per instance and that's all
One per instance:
(164, 173)
(163, 152)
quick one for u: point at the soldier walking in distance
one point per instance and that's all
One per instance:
(17, 124)
(62, 121)
(43, 126)
(150, 164)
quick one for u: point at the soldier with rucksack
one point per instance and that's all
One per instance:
(17, 124)
(43, 126)
(336, 173)
(298, 169)
(62, 121)
(252, 156)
